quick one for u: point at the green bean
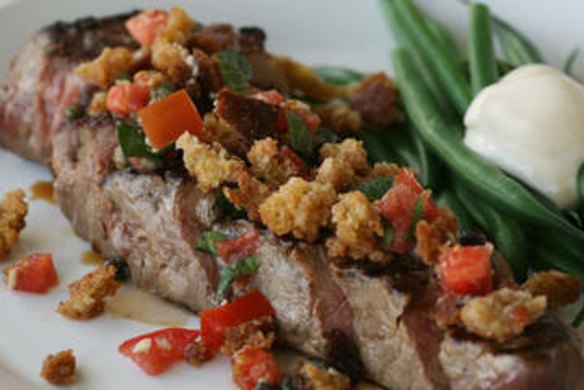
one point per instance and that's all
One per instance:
(581, 183)
(518, 50)
(446, 40)
(481, 175)
(428, 165)
(562, 245)
(507, 233)
(377, 145)
(451, 78)
(548, 258)
(339, 75)
(483, 64)
(448, 198)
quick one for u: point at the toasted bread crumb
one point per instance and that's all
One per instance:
(13, 210)
(196, 354)
(357, 228)
(258, 333)
(211, 165)
(432, 236)
(299, 207)
(340, 118)
(376, 99)
(350, 151)
(59, 369)
(87, 295)
(559, 288)
(313, 378)
(502, 314)
(111, 63)
(270, 164)
(249, 194)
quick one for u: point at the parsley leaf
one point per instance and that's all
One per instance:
(235, 69)
(247, 266)
(375, 188)
(417, 216)
(300, 137)
(387, 234)
(133, 142)
(206, 242)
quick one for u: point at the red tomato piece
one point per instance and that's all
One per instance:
(238, 248)
(466, 269)
(272, 97)
(144, 26)
(398, 205)
(215, 322)
(250, 366)
(124, 99)
(34, 274)
(155, 352)
(167, 119)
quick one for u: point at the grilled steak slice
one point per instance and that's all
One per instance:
(40, 84)
(156, 228)
(81, 161)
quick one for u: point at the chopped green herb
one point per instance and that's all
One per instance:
(207, 241)
(163, 90)
(387, 234)
(247, 266)
(235, 69)
(300, 137)
(123, 273)
(579, 318)
(133, 141)
(375, 188)
(227, 208)
(417, 216)
(74, 112)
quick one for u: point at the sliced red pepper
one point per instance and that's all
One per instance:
(144, 26)
(216, 321)
(167, 119)
(124, 99)
(466, 269)
(155, 352)
(34, 274)
(238, 248)
(250, 366)
(398, 205)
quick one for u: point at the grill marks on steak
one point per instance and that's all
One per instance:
(40, 84)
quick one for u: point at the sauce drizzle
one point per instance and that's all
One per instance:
(43, 190)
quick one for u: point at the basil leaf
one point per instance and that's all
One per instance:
(300, 137)
(579, 318)
(416, 217)
(247, 266)
(133, 141)
(206, 242)
(235, 69)
(375, 188)
(387, 234)
(227, 207)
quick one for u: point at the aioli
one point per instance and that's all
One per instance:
(531, 124)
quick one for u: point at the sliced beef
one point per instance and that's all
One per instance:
(82, 159)
(156, 227)
(40, 85)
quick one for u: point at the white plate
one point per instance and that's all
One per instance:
(344, 32)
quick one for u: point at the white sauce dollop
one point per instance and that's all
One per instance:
(531, 124)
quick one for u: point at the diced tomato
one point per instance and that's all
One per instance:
(215, 322)
(250, 366)
(311, 119)
(466, 269)
(124, 99)
(398, 205)
(238, 248)
(272, 97)
(167, 119)
(144, 26)
(35, 274)
(155, 352)
(282, 121)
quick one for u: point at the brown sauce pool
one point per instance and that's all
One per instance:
(92, 258)
(43, 190)
(134, 304)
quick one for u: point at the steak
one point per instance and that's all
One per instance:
(40, 84)
(380, 320)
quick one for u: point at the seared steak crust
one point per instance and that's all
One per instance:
(40, 84)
